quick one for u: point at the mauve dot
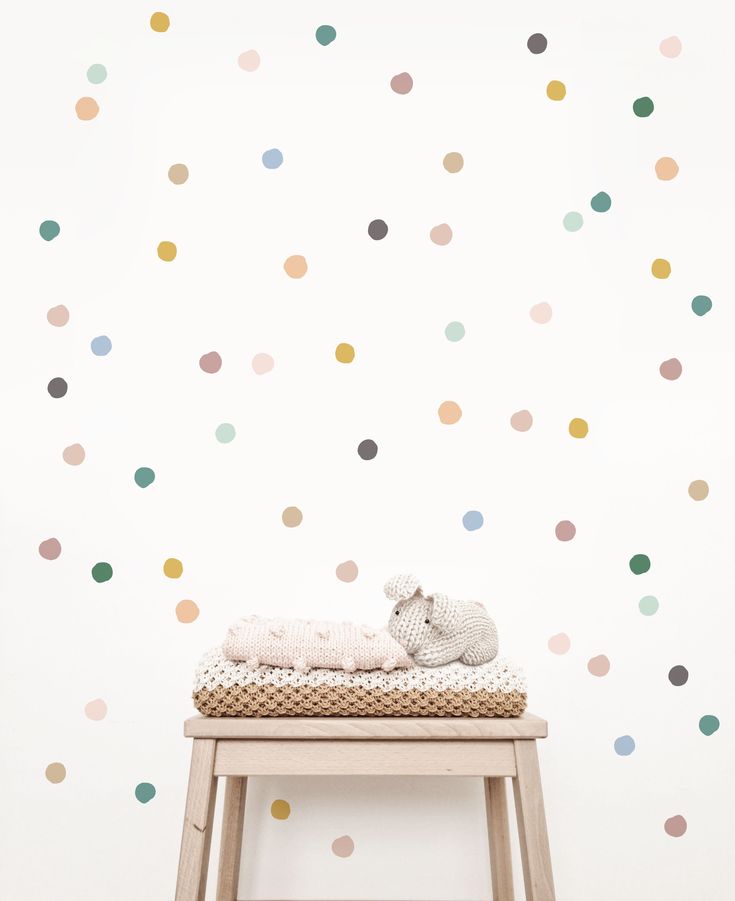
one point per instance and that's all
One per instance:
(58, 316)
(343, 846)
(347, 571)
(599, 666)
(675, 826)
(565, 530)
(211, 362)
(441, 234)
(401, 83)
(74, 454)
(670, 369)
(521, 421)
(49, 549)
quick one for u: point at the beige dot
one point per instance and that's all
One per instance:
(178, 173)
(449, 412)
(441, 234)
(74, 454)
(453, 162)
(347, 571)
(58, 316)
(292, 517)
(56, 772)
(521, 421)
(540, 313)
(666, 168)
(295, 266)
(86, 108)
(698, 490)
(95, 710)
(186, 611)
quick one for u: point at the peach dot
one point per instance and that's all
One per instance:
(295, 266)
(249, 61)
(262, 363)
(670, 369)
(667, 168)
(95, 710)
(186, 611)
(343, 846)
(599, 666)
(670, 47)
(521, 421)
(441, 234)
(347, 571)
(560, 643)
(449, 412)
(58, 316)
(87, 108)
(74, 454)
(541, 313)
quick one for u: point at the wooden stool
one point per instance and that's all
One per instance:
(364, 746)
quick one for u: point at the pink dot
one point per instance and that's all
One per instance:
(401, 83)
(262, 363)
(58, 316)
(521, 421)
(441, 234)
(540, 313)
(599, 666)
(95, 710)
(565, 530)
(49, 549)
(211, 362)
(670, 47)
(249, 61)
(74, 454)
(675, 826)
(343, 846)
(670, 369)
(559, 644)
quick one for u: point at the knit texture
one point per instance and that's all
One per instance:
(303, 644)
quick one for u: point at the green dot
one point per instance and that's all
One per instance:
(325, 34)
(145, 792)
(701, 304)
(454, 331)
(648, 605)
(225, 432)
(709, 724)
(96, 73)
(601, 202)
(573, 222)
(144, 477)
(49, 229)
(639, 563)
(102, 572)
(643, 107)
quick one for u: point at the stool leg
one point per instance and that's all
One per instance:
(531, 818)
(198, 819)
(231, 840)
(501, 868)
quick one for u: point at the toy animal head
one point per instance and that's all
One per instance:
(415, 616)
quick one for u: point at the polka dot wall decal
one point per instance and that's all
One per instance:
(521, 421)
(95, 710)
(262, 363)
(560, 643)
(701, 305)
(648, 605)
(272, 158)
(102, 572)
(295, 266)
(173, 568)
(186, 611)
(601, 202)
(660, 268)
(453, 162)
(670, 47)
(249, 60)
(556, 90)
(441, 234)
(347, 571)
(598, 666)
(541, 313)
(573, 221)
(86, 108)
(709, 724)
(454, 331)
(377, 229)
(666, 168)
(565, 530)
(343, 846)
(74, 454)
(49, 549)
(178, 173)
(292, 517)
(643, 107)
(55, 773)
(639, 564)
(58, 316)
(49, 229)
(675, 826)
(96, 73)
(210, 362)
(280, 810)
(367, 449)
(537, 43)
(698, 490)
(144, 476)
(167, 251)
(57, 387)
(325, 34)
(473, 520)
(624, 745)
(578, 428)
(678, 676)
(449, 412)
(401, 83)
(344, 353)
(160, 22)
(225, 432)
(145, 792)
(670, 369)
(101, 345)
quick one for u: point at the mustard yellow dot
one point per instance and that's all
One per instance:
(167, 251)
(173, 568)
(661, 268)
(160, 22)
(345, 353)
(280, 810)
(556, 90)
(578, 428)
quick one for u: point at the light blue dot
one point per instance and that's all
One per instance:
(101, 346)
(472, 520)
(225, 433)
(454, 331)
(96, 73)
(573, 222)
(273, 158)
(624, 746)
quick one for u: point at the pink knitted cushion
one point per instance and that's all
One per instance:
(303, 644)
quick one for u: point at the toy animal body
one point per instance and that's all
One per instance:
(435, 629)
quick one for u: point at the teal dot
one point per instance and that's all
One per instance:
(648, 605)
(102, 572)
(701, 304)
(624, 746)
(325, 34)
(454, 331)
(225, 433)
(639, 564)
(709, 724)
(573, 222)
(96, 73)
(643, 107)
(601, 202)
(144, 476)
(49, 229)
(145, 792)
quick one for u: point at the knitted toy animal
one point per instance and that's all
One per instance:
(436, 630)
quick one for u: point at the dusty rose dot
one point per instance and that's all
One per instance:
(95, 710)
(560, 643)
(58, 316)
(540, 313)
(599, 666)
(347, 571)
(675, 826)
(670, 47)
(401, 83)
(670, 369)
(521, 421)
(74, 454)
(441, 234)
(211, 362)
(249, 61)
(343, 846)
(49, 549)
(565, 530)
(262, 363)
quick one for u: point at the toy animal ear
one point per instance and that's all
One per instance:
(444, 613)
(400, 588)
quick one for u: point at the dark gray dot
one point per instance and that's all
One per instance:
(377, 229)
(57, 387)
(367, 449)
(678, 675)
(537, 43)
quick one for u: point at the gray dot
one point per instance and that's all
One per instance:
(537, 43)
(367, 449)
(678, 675)
(377, 229)
(57, 387)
